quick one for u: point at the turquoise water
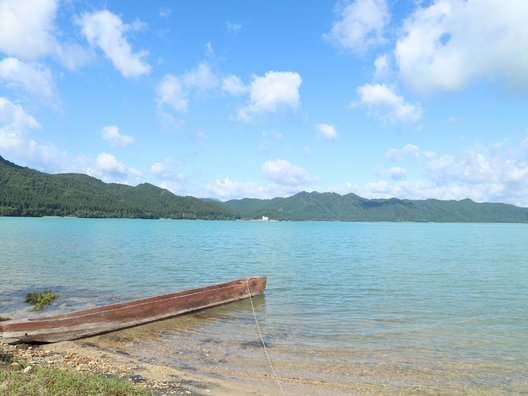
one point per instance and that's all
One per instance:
(350, 307)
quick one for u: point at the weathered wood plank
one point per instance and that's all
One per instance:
(108, 318)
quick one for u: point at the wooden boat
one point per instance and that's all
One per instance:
(73, 325)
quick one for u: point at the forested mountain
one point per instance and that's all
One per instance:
(350, 207)
(27, 192)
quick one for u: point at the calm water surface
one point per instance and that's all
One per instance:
(349, 308)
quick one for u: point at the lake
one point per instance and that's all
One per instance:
(349, 308)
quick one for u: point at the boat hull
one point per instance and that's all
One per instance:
(73, 325)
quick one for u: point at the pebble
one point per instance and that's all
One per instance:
(26, 357)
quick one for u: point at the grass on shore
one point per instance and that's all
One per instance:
(43, 381)
(41, 300)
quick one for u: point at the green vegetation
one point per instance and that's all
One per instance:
(27, 192)
(3, 318)
(334, 207)
(41, 300)
(43, 381)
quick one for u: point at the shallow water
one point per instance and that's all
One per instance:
(350, 307)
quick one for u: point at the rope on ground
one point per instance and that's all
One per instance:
(262, 341)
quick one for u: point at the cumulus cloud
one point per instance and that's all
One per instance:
(361, 25)
(27, 27)
(381, 101)
(494, 173)
(225, 189)
(30, 77)
(106, 30)
(15, 140)
(170, 92)
(200, 78)
(14, 121)
(284, 173)
(166, 169)
(109, 168)
(449, 44)
(271, 93)
(174, 91)
(327, 131)
(112, 135)
(109, 163)
(233, 85)
(382, 65)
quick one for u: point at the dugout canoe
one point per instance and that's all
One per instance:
(79, 324)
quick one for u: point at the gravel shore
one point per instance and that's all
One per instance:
(91, 358)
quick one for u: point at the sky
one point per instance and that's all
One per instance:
(230, 99)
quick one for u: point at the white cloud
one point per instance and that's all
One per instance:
(361, 25)
(26, 28)
(482, 173)
(170, 92)
(449, 44)
(233, 85)
(327, 131)
(165, 13)
(200, 78)
(225, 189)
(14, 121)
(382, 65)
(397, 173)
(106, 30)
(409, 150)
(33, 78)
(273, 92)
(109, 168)
(166, 169)
(284, 173)
(15, 128)
(112, 135)
(109, 163)
(233, 28)
(174, 91)
(209, 51)
(381, 101)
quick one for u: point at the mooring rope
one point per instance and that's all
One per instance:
(262, 341)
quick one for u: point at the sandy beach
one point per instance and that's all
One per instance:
(86, 356)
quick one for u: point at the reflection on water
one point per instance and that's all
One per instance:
(349, 308)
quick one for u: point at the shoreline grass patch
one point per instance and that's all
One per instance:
(52, 381)
(41, 300)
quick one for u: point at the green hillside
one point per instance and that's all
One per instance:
(334, 207)
(27, 192)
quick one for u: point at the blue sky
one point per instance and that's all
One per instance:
(231, 99)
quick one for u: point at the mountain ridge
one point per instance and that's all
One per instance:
(28, 192)
(318, 206)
